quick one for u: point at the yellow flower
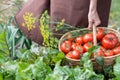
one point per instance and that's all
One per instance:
(29, 21)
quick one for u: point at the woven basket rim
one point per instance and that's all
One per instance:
(109, 57)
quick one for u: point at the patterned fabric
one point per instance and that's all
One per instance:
(75, 13)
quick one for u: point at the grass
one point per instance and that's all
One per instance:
(114, 21)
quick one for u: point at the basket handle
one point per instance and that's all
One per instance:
(94, 38)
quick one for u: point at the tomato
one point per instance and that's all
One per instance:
(69, 54)
(79, 40)
(108, 53)
(109, 41)
(66, 46)
(100, 34)
(79, 48)
(116, 50)
(74, 46)
(75, 54)
(88, 38)
(100, 52)
(86, 46)
(71, 39)
(102, 48)
(118, 44)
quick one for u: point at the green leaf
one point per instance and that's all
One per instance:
(93, 49)
(3, 43)
(24, 71)
(117, 60)
(50, 55)
(100, 60)
(1, 76)
(116, 68)
(60, 73)
(40, 69)
(28, 56)
(8, 70)
(11, 33)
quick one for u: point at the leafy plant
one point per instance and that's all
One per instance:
(13, 38)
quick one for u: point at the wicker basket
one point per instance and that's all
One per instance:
(108, 61)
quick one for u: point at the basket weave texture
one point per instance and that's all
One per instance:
(108, 61)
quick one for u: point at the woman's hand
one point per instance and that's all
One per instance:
(93, 17)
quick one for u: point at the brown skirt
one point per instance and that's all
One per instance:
(75, 13)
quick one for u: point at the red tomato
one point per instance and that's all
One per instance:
(74, 45)
(79, 48)
(88, 38)
(79, 40)
(86, 46)
(66, 46)
(100, 52)
(102, 48)
(71, 39)
(75, 54)
(118, 44)
(100, 34)
(108, 53)
(109, 41)
(116, 50)
(69, 54)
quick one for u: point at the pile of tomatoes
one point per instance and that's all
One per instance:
(74, 48)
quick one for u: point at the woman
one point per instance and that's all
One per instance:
(82, 13)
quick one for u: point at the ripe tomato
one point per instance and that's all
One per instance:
(66, 46)
(79, 48)
(116, 50)
(118, 44)
(100, 34)
(109, 41)
(79, 40)
(100, 52)
(88, 38)
(102, 48)
(73, 45)
(108, 53)
(69, 54)
(71, 39)
(75, 54)
(86, 46)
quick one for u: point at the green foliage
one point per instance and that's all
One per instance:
(4, 49)
(116, 69)
(12, 39)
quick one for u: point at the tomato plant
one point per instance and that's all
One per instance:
(109, 41)
(100, 33)
(66, 46)
(88, 38)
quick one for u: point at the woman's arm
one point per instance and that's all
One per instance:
(93, 17)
